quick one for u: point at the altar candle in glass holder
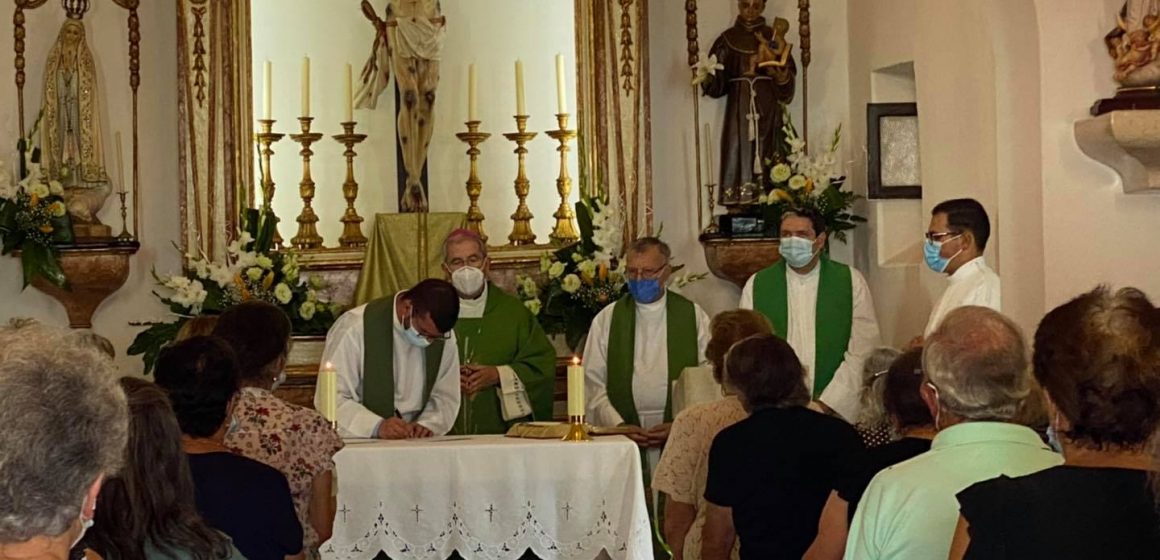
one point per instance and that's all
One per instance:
(576, 399)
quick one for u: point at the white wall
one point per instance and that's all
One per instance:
(674, 167)
(108, 38)
(492, 34)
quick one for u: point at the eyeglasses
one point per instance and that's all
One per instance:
(431, 338)
(936, 236)
(645, 273)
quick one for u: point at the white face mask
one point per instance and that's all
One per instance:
(468, 281)
(278, 381)
(86, 524)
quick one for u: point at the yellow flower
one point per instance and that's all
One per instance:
(46, 228)
(533, 305)
(555, 270)
(809, 185)
(780, 173)
(797, 182)
(269, 281)
(33, 200)
(781, 194)
(571, 284)
(57, 209)
(282, 293)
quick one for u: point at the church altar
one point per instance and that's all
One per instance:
(490, 497)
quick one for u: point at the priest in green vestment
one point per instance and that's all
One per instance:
(508, 365)
(638, 346)
(823, 309)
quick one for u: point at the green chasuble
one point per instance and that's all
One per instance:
(507, 335)
(379, 359)
(681, 326)
(835, 313)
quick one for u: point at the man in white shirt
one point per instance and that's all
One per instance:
(822, 308)
(509, 366)
(955, 241)
(638, 346)
(397, 364)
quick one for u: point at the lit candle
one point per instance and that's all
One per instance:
(305, 86)
(349, 114)
(328, 382)
(709, 153)
(267, 91)
(561, 99)
(120, 161)
(520, 108)
(471, 108)
(576, 402)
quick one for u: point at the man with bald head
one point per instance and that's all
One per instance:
(508, 364)
(977, 376)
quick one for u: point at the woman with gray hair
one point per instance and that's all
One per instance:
(65, 425)
(873, 425)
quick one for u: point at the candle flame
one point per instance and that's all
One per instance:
(329, 366)
(575, 360)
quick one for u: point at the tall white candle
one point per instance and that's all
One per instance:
(576, 401)
(120, 162)
(327, 381)
(709, 154)
(520, 108)
(561, 86)
(267, 95)
(305, 86)
(348, 115)
(471, 107)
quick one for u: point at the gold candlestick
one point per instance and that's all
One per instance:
(712, 227)
(577, 429)
(124, 235)
(473, 137)
(307, 237)
(266, 139)
(522, 218)
(564, 232)
(351, 222)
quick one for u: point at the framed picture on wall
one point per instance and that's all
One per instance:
(894, 168)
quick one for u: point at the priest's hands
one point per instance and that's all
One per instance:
(397, 428)
(655, 436)
(394, 428)
(475, 378)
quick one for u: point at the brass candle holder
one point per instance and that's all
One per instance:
(577, 429)
(522, 218)
(473, 137)
(564, 232)
(351, 222)
(266, 139)
(307, 237)
(712, 227)
(124, 236)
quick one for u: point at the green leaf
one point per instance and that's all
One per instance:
(49, 268)
(149, 342)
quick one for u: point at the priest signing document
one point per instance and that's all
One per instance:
(509, 366)
(398, 367)
(638, 346)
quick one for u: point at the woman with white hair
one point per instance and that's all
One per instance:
(65, 425)
(873, 425)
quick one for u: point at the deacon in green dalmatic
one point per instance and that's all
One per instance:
(508, 366)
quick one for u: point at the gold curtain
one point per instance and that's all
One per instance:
(214, 102)
(404, 249)
(615, 134)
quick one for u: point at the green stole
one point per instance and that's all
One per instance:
(834, 318)
(379, 358)
(681, 322)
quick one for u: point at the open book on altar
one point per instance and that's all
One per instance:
(557, 430)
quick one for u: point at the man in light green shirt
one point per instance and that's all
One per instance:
(976, 377)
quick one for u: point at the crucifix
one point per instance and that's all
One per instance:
(490, 512)
(417, 511)
(345, 510)
(410, 39)
(567, 511)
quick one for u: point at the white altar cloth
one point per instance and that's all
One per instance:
(490, 497)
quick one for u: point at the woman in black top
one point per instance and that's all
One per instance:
(769, 474)
(1098, 359)
(910, 418)
(241, 497)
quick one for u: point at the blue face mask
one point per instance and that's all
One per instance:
(1053, 439)
(932, 252)
(413, 337)
(796, 251)
(645, 290)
